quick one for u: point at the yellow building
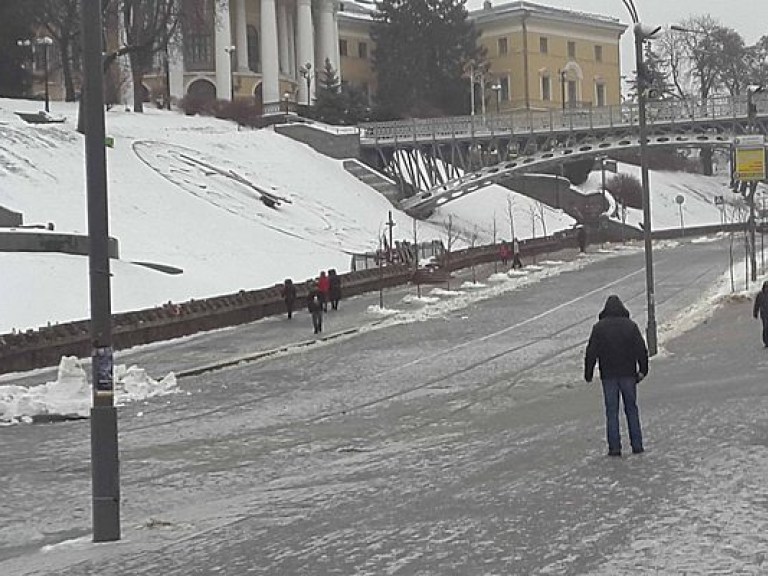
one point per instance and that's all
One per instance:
(539, 57)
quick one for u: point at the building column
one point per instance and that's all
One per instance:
(241, 36)
(282, 35)
(176, 67)
(305, 51)
(291, 45)
(270, 75)
(336, 50)
(222, 40)
(327, 36)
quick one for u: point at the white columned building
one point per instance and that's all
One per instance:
(243, 48)
(222, 33)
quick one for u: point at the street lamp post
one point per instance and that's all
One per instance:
(105, 465)
(306, 73)
(497, 89)
(231, 50)
(45, 42)
(642, 34)
(563, 74)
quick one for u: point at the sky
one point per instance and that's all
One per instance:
(750, 19)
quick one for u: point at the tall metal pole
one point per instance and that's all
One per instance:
(641, 102)
(105, 466)
(45, 65)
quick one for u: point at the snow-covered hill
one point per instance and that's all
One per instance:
(170, 204)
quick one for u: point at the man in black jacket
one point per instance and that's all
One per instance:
(617, 344)
(761, 308)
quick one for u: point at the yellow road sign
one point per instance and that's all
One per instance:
(750, 164)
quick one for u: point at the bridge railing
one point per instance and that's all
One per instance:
(558, 120)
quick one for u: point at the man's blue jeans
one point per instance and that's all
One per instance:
(627, 387)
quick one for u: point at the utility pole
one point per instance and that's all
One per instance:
(105, 466)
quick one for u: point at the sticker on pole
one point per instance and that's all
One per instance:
(750, 164)
(103, 359)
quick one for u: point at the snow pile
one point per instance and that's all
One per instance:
(69, 396)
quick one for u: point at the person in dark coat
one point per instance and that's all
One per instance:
(581, 237)
(334, 289)
(761, 309)
(289, 296)
(324, 286)
(617, 344)
(315, 307)
(516, 262)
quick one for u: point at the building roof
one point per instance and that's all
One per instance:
(490, 13)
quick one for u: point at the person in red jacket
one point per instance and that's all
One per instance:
(324, 287)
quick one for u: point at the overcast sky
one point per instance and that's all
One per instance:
(750, 19)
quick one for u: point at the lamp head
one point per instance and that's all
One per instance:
(645, 31)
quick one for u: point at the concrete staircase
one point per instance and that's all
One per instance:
(374, 179)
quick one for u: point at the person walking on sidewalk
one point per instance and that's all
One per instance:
(315, 307)
(324, 286)
(761, 309)
(617, 344)
(334, 288)
(516, 262)
(289, 296)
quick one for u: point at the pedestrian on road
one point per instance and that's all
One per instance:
(289, 296)
(617, 344)
(761, 308)
(334, 290)
(315, 307)
(516, 262)
(504, 252)
(324, 286)
(581, 237)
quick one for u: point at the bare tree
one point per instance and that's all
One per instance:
(511, 216)
(451, 235)
(61, 20)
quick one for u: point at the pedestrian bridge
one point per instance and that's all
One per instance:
(443, 159)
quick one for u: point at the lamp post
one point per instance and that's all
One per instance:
(27, 45)
(105, 465)
(497, 89)
(563, 74)
(45, 42)
(231, 50)
(306, 73)
(642, 34)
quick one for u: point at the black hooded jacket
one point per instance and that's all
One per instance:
(616, 343)
(761, 302)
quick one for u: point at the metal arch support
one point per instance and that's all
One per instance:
(425, 202)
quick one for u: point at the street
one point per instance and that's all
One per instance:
(464, 442)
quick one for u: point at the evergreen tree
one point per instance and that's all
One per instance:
(421, 48)
(330, 103)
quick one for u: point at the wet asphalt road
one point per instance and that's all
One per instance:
(462, 444)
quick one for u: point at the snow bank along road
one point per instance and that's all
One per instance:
(463, 444)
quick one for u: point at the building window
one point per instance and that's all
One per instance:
(503, 47)
(598, 53)
(343, 48)
(362, 50)
(543, 45)
(198, 53)
(573, 97)
(546, 89)
(600, 94)
(504, 82)
(571, 49)
(254, 56)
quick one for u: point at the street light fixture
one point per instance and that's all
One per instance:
(563, 75)
(497, 89)
(306, 73)
(642, 34)
(231, 50)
